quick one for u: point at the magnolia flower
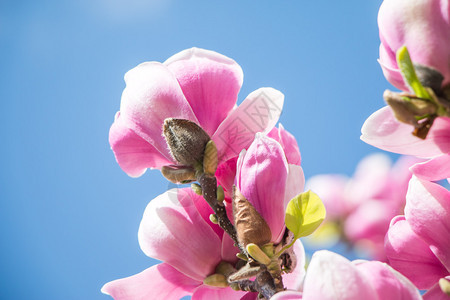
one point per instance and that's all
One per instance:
(226, 172)
(418, 244)
(331, 276)
(364, 205)
(196, 85)
(268, 181)
(176, 229)
(423, 26)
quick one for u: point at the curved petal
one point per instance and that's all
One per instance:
(152, 94)
(383, 131)
(225, 174)
(210, 82)
(331, 276)
(427, 212)
(388, 283)
(295, 183)
(134, 154)
(411, 256)
(435, 293)
(259, 112)
(205, 292)
(287, 295)
(262, 174)
(294, 280)
(433, 170)
(421, 25)
(172, 230)
(160, 281)
(229, 250)
(288, 143)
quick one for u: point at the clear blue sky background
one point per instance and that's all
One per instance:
(68, 214)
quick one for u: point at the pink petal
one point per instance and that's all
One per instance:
(331, 190)
(225, 174)
(288, 143)
(331, 276)
(421, 25)
(259, 112)
(172, 230)
(433, 170)
(210, 82)
(204, 292)
(383, 131)
(295, 183)
(229, 250)
(411, 256)
(370, 179)
(157, 282)
(294, 280)
(390, 70)
(287, 295)
(435, 293)
(388, 283)
(152, 94)
(262, 174)
(370, 221)
(133, 153)
(427, 211)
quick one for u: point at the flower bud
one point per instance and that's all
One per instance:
(186, 141)
(250, 225)
(216, 280)
(178, 174)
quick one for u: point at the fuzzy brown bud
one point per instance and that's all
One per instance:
(186, 141)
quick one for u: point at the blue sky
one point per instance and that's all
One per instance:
(68, 214)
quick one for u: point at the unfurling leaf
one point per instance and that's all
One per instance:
(304, 213)
(210, 159)
(409, 74)
(178, 174)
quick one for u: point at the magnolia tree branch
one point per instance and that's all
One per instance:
(209, 190)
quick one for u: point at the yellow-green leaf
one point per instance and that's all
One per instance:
(304, 213)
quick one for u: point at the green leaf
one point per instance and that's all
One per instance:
(304, 213)
(409, 74)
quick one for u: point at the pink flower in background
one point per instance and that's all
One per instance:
(197, 85)
(268, 181)
(364, 205)
(423, 26)
(418, 243)
(176, 230)
(333, 277)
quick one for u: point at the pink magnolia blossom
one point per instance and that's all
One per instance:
(226, 172)
(333, 277)
(417, 244)
(268, 181)
(176, 229)
(365, 204)
(197, 85)
(423, 26)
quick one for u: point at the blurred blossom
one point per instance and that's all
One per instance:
(176, 229)
(197, 85)
(361, 207)
(333, 277)
(418, 244)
